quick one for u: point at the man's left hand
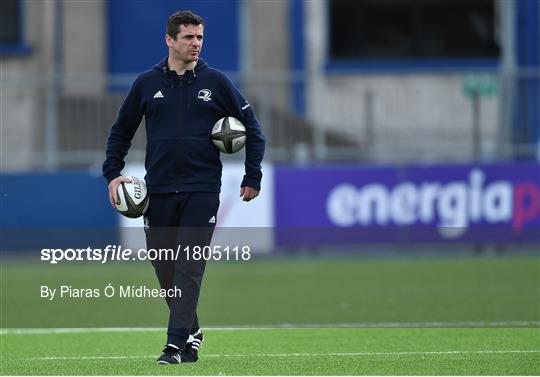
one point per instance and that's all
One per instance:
(248, 193)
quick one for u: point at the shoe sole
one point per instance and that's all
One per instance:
(165, 362)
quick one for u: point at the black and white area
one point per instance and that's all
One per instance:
(229, 135)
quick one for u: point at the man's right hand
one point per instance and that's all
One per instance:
(113, 188)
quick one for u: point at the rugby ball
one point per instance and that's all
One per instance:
(132, 198)
(229, 135)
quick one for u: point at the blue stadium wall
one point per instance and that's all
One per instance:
(136, 32)
(57, 209)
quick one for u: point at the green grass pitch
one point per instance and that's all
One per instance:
(321, 316)
(283, 352)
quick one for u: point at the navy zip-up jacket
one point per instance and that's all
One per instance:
(180, 111)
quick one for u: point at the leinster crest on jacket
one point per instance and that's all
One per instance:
(205, 95)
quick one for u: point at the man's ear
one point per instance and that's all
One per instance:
(168, 40)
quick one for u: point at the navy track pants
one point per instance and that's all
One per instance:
(181, 221)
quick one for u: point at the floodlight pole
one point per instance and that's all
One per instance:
(475, 101)
(53, 87)
(507, 37)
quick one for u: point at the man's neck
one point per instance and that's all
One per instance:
(179, 66)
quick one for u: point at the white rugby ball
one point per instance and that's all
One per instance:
(229, 135)
(132, 198)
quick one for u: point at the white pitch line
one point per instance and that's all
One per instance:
(348, 354)
(283, 326)
(76, 330)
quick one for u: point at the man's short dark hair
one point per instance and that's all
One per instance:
(185, 18)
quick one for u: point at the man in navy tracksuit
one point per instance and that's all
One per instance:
(181, 98)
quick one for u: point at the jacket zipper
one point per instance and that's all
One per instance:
(188, 93)
(179, 88)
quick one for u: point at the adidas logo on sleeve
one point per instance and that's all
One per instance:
(158, 94)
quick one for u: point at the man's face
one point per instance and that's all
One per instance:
(188, 43)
